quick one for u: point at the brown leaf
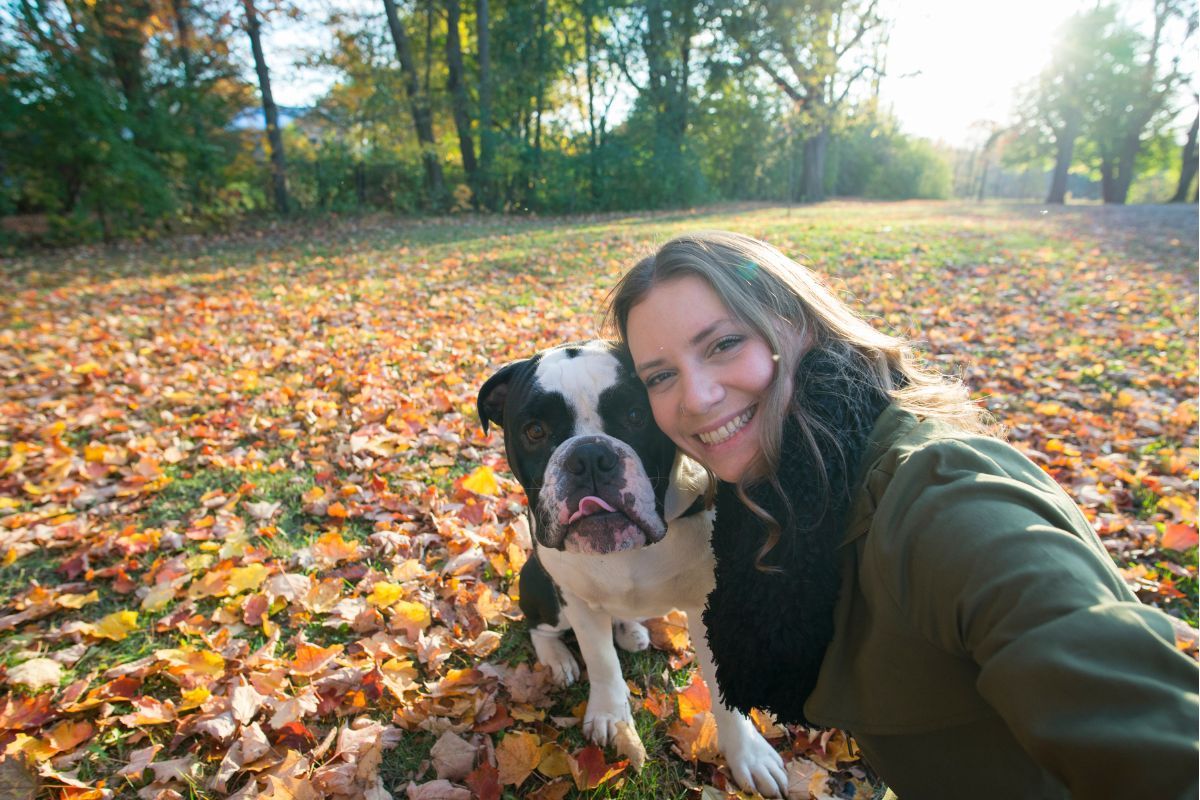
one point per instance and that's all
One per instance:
(517, 755)
(17, 780)
(452, 757)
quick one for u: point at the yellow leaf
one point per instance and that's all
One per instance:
(159, 596)
(77, 600)
(193, 662)
(194, 698)
(414, 614)
(383, 594)
(482, 481)
(115, 626)
(243, 579)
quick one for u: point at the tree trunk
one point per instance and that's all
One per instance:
(483, 34)
(418, 103)
(1108, 180)
(539, 101)
(814, 165)
(270, 112)
(1187, 170)
(590, 71)
(458, 98)
(1064, 152)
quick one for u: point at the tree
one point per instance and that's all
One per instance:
(459, 102)
(484, 189)
(815, 53)
(1187, 169)
(270, 111)
(1067, 90)
(115, 117)
(1153, 85)
(418, 102)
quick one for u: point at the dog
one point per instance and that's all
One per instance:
(620, 532)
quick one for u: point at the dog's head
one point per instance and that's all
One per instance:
(578, 433)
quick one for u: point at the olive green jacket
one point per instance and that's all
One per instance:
(984, 644)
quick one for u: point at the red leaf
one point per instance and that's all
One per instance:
(484, 781)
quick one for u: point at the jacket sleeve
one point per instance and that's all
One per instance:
(993, 562)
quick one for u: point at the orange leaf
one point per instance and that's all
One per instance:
(693, 698)
(311, 659)
(1180, 537)
(337, 510)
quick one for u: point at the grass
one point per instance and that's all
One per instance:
(292, 342)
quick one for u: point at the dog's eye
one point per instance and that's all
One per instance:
(635, 417)
(535, 432)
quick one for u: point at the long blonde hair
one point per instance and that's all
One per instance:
(792, 309)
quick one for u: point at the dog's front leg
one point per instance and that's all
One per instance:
(608, 697)
(754, 763)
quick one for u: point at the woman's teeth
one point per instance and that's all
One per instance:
(728, 429)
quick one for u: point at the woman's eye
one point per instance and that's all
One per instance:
(725, 343)
(535, 432)
(635, 417)
(655, 379)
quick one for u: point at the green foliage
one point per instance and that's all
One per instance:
(111, 124)
(871, 158)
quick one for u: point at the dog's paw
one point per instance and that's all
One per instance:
(631, 636)
(602, 716)
(755, 765)
(556, 657)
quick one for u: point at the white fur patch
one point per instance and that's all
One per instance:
(580, 380)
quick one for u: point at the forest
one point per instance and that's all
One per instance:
(141, 117)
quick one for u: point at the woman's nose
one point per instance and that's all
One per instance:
(700, 393)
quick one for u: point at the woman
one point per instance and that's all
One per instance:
(886, 566)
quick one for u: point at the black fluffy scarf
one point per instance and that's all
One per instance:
(768, 631)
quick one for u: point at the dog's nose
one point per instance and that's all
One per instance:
(591, 458)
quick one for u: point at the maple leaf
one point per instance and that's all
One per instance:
(138, 761)
(17, 780)
(482, 481)
(116, 626)
(1180, 537)
(693, 699)
(437, 790)
(36, 673)
(517, 756)
(311, 659)
(485, 782)
(452, 757)
(589, 769)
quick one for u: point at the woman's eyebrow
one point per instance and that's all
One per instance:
(703, 334)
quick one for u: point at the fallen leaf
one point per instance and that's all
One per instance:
(36, 673)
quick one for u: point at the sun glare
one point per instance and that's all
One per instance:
(951, 64)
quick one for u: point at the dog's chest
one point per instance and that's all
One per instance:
(674, 573)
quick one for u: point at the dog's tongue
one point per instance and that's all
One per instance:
(588, 506)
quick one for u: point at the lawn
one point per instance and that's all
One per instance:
(255, 542)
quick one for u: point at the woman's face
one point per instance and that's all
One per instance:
(706, 372)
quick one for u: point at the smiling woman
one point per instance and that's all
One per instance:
(884, 565)
(705, 371)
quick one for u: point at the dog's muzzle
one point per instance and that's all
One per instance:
(599, 500)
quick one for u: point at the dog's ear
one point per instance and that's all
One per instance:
(689, 482)
(494, 393)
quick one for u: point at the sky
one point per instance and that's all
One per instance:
(950, 63)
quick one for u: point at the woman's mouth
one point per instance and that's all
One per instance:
(729, 429)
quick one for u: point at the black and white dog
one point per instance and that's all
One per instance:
(620, 532)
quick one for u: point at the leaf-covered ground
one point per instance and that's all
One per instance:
(254, 542)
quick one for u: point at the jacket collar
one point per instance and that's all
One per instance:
(891, 426)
